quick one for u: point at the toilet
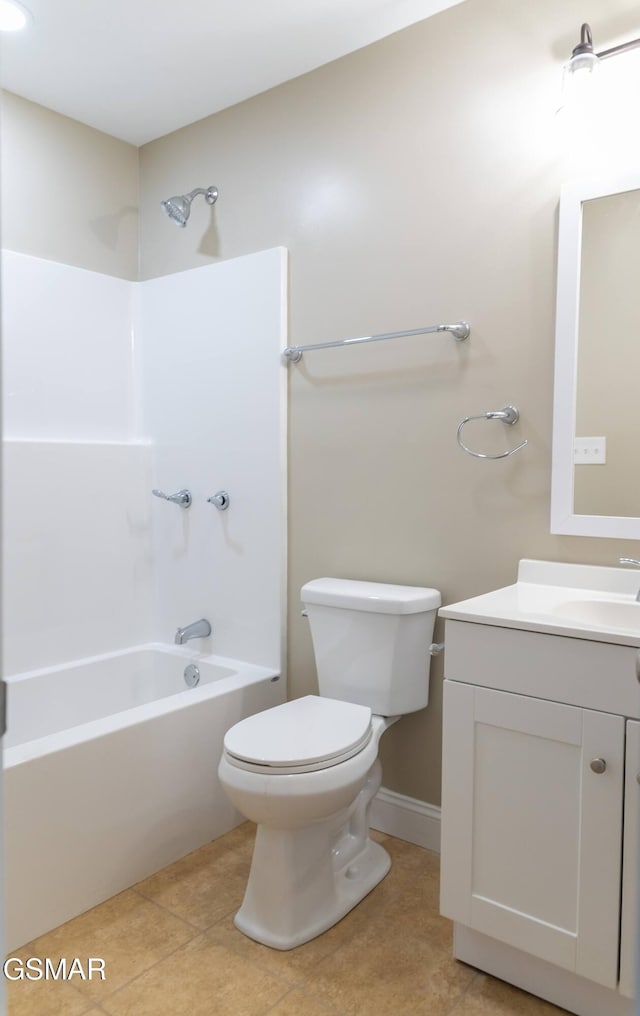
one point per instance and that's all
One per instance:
(306, 771)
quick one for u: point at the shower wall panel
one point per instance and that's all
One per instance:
(67, 357)
(76, 557)
(77, 561)
(214, 397)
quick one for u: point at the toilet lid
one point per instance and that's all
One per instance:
(303, 735)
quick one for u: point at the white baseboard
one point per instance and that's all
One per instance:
(406, 818)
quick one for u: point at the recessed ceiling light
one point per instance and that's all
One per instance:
(13, 16)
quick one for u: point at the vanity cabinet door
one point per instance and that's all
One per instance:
(531, 829)
(630, 861)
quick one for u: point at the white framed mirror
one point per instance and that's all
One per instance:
(595, 481)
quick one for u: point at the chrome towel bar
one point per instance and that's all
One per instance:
(508, 415)
(460, 331)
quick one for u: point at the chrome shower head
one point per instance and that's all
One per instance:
(178, 208)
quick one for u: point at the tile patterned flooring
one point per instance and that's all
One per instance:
(171, 949)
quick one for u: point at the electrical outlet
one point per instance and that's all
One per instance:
(590, 451)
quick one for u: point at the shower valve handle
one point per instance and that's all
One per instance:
(183, 497)
(220, 500)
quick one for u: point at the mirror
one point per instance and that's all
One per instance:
(595, 488)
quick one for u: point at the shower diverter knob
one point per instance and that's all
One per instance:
(220, 500)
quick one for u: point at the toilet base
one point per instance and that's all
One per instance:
(298, 893)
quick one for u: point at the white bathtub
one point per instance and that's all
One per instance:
(111, 773)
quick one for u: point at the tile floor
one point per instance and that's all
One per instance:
(171, 949)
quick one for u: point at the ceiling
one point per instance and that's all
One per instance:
(139, 69)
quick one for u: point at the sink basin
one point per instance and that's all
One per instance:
(611, 613)
(582, 601)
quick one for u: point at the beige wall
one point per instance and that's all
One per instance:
(69, 192)
(414, 181)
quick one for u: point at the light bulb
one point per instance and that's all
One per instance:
(582, 63)
(578, 80)
(13, 16)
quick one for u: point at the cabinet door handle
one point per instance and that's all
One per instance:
(598, 765)
(638, 664)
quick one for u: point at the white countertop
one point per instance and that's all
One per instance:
(561, 599)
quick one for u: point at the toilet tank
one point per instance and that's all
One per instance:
(371, 642)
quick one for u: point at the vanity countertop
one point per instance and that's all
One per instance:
(579, 601)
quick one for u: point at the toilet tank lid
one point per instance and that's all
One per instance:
(375, 597)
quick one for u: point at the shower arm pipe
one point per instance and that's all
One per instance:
(460, 331)
(210, 193)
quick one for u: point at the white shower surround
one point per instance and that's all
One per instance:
(113, 388)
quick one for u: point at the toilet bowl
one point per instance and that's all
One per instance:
(307, 771)
(313, 859)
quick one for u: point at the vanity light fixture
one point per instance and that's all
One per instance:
(584, 59)
(579, 88)
(13, 16)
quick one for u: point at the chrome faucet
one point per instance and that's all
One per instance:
(196, 630)
(633, 561)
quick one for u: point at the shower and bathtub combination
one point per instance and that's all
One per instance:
(115, 728)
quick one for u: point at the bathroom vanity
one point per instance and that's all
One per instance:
(540, 793)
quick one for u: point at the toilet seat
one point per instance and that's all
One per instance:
(305, 735)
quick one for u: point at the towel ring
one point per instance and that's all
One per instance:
(508, 415)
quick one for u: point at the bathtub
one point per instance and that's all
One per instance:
(110, 773)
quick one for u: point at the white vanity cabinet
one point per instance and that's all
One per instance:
(540, 801)
(532, 836)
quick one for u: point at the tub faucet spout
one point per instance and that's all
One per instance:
(196, 630)
(633, 561)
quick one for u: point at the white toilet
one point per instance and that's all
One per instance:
(306, 771)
